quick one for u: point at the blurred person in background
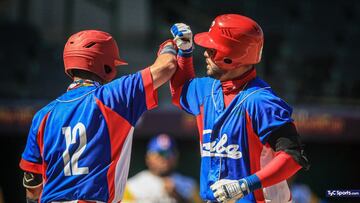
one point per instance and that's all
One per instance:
(79, 145)
(249, 142)
(160, 183)
(302, 193)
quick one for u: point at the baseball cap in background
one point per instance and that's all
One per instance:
(162, 144)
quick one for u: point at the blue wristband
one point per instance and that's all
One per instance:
(185, 53)
(253, 182)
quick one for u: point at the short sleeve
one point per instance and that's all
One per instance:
(269, 113)
(191, 97)
(131, 95)
(31, 159)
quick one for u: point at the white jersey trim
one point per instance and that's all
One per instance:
(207, 131)
(248, 95)
(71, 100)
(122, 167)
(212, 95)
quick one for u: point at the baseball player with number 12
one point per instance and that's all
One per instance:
(79, 145)
(249, 143)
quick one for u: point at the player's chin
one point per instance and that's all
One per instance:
(209, 72)
(214, 73)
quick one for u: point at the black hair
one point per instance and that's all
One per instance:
(85, 75)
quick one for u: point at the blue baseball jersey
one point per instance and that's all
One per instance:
(234, 139)
(81, 142)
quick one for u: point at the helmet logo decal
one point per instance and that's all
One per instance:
(260, 52)
(212, 24)
(164, 142)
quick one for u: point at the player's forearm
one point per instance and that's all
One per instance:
(33, 194)
(184, 73)
(183, 39)
(163, 69)
(33, 184)
(289, 156)
(282, 167)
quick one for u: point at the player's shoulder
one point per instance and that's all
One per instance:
(184, 178)
(204, 81)
(145, 185)
(40, 114)
(142, 178)
(184, 184)
(258, 90)
(124, 81)
(139, 185)
(205, 84)
(260, 94)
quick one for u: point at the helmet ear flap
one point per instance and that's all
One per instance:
(107, 69)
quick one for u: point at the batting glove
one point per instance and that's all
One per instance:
(183, 38)
(167, 47)
(225, 189)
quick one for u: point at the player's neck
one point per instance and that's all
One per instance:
(235, 73)
(79, 78)
(76, 78)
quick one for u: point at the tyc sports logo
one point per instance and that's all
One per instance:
(343, 193)
(218, 149)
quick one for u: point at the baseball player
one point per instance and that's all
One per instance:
(249, 143)
(161, 183)
(78, 147)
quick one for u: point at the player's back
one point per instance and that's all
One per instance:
(76, 148)
(81, 142)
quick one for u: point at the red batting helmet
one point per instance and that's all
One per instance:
(94, 51)
(238, 40)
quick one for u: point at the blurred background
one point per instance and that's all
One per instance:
(310, 58)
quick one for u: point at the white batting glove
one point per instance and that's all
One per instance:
(225, 189)
(183, 38)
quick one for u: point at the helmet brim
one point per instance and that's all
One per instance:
(120, 62)
(205, 40)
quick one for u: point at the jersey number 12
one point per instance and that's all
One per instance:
(71, 162)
